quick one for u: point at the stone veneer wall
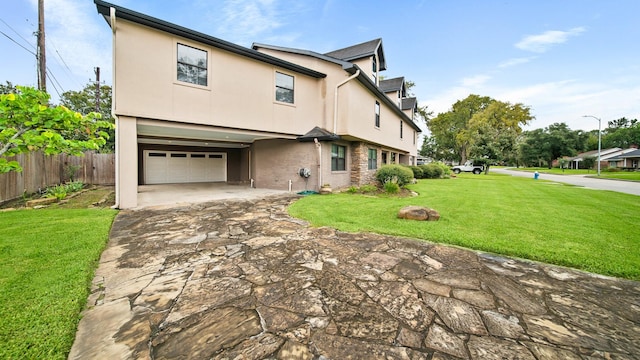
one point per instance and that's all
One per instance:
(360, 173)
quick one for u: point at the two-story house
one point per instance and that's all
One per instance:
(190, 107)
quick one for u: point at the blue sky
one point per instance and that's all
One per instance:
(564, 58)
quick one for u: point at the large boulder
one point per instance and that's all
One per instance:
(413, 212)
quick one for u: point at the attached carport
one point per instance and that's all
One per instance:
(181, 153)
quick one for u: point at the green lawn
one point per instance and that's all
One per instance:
(586, 229)
(47, 261)
(622, 175)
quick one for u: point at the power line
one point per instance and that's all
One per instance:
(10, 38)
(17, 33)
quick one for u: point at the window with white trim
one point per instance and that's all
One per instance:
(377, 110)
(192, 65)
(284, 88)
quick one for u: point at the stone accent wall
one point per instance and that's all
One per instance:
(360, 173)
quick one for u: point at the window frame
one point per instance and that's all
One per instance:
(283, 87)
(401, 129)
(199, 67)
(372, 161)
(336, 159)
(377, 114)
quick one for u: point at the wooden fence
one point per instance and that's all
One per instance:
(40, 171)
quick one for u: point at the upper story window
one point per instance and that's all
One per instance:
(284, 88)
(192, 65)
(374, 70)
(377, 110)
(401, 128)
(338, 157)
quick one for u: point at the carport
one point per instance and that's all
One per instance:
(185, 158)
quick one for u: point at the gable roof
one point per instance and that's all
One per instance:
(395, 84)
(362, 50)
(409, 103)
(318, 133)
(142, 19)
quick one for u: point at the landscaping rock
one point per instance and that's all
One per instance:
(41, 202)
(413, 212)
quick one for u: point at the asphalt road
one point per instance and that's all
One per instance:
(628, 187)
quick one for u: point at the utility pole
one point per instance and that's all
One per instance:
(97, 71)
(41, 57)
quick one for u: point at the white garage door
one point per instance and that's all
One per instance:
(166, 167)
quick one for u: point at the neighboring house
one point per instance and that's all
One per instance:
(194, 108)
(574, 162)
(629, 159)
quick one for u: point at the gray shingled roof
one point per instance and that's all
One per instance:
(318, 133)
(395, 84)
(409, 103)
(360, 51)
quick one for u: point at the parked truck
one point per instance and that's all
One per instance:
(468, 166)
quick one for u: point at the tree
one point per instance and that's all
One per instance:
(622, 133)
(8, 88)
(548, 144)
(589, 161)
(423, 111)
(84, 102)
(28, 123)
(481, 127)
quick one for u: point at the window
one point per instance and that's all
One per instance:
(373, 159)
(338, 158)
(401, 126)
(284, 88)
(374, 70)
(192, 65)
(377, 109)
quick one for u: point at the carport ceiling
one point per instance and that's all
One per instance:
(151, 132)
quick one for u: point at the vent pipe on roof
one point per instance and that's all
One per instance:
(335, 100)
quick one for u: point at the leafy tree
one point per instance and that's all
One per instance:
(28, 123)
(481, 127)
(621, 133)
(555, 141)
(84, 102)
(423, 111)
(589, 161)
(8, 88)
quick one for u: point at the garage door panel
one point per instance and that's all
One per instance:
(182, 167)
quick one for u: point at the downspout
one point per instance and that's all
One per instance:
(335, 100)
(319, 148)
(112, 17)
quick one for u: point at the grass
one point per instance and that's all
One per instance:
(621, 175)
(553, 223)
(47, 261)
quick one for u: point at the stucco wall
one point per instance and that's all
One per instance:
(240, 92)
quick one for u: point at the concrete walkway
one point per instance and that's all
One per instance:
(627, 187)
(243, 280)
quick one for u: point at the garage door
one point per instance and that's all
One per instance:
(166, 167)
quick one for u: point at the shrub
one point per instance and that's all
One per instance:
(59, 192)
(402, 175)
(417, 172)
(446, 170)
(432, 171)
(391, 187)
(369, 188)
(352, 189)
(74, 186)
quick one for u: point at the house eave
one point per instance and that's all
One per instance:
(161, 25)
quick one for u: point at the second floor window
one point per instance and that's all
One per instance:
(284, 88)
(401, 126)
(377, 109)
(338, 157)
(192, 65)
(374, 70)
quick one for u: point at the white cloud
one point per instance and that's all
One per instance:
(542, 42)
(515, 61)
(475, 81)
(246, 19)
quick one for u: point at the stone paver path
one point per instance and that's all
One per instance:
(243, 280)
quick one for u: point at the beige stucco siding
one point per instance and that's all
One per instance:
(240, 92)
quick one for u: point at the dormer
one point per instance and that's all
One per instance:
(409, 106)
(394, 88)
(367, 55)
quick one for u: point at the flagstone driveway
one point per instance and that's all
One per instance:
(243, 280)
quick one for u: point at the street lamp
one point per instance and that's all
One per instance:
(599, 138)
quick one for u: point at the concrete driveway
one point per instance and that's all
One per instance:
(240, 279)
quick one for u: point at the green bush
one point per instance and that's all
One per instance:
(432, 171)
(417, 172)
(391, 187)
(59, 192)
(399, 174)
(368, 188)
(446, 170)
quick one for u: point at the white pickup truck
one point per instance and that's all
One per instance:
(468, 167)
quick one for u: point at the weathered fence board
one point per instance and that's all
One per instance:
(40, 171)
